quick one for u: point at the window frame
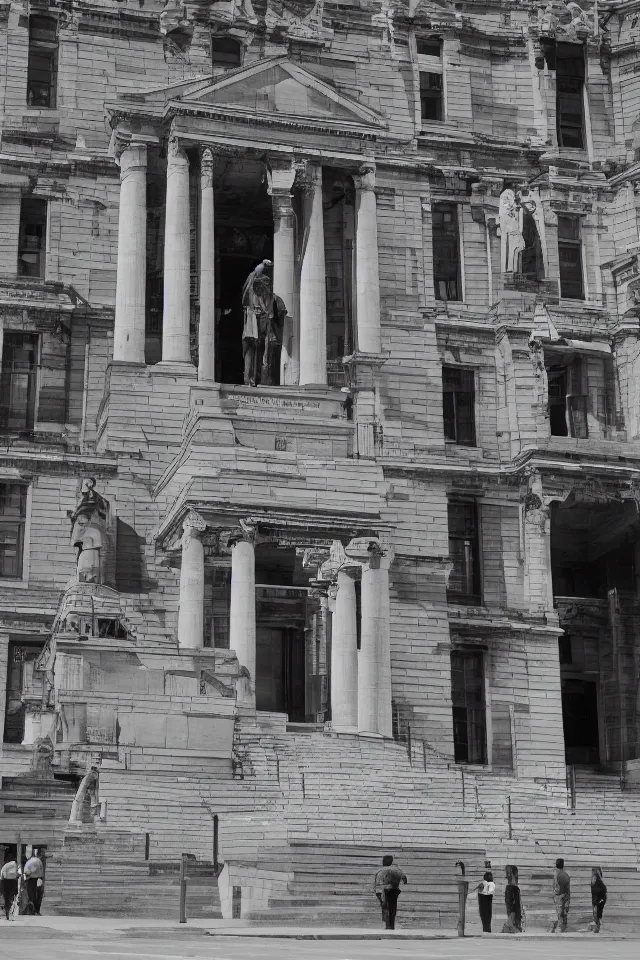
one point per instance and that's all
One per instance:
(431, 64)
(225, 64)
(470, 373)
(33, 387)
(13, 643)
(459, 278)
(561, 56)
(23, 246)
(472, 549)
(566, 244)
(478, 712)
(21, 581)
(45, 48)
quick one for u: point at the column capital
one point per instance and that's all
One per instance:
(308, 176)
(206, 169)
(365, 178)
(193, 526)
(281, 173)
(176, 153)
(247, 532)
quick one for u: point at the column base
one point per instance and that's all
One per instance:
(174, 368)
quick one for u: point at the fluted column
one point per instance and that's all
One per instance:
(281, 177)
(207, 327)
(374, 658)
(344, 655)
(313, 299)
(191, 610)
(367, 273)
(176, 314)
(242, 625)
(129, 329)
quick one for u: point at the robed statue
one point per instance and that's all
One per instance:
(264, 315)
(88, 532)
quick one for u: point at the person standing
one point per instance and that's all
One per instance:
(598, 897)
(486, 890)
(387, 889)
(9, 881)
(34, 876)
(561, 897)
(513, 902)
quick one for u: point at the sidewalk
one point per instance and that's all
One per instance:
(81, 927)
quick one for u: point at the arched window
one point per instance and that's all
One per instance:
(225, 52)
(42, 67)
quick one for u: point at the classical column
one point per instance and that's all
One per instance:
(191, 609)
(207, 328)
(175, 320)
(344, 654)
(129, 330)
(242, 625)
(313, 299)
(374, 667)
(367, 276)
(281, 179)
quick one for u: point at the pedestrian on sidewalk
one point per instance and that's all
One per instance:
(9, 881)
(387, 889)
(513, 902)
(34, 877)
(598, 897)
(561, 897)
(486, 890)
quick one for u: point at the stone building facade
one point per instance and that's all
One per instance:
(422, 522)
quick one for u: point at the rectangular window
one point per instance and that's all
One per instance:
(22, 657)
(464, 581)
(42, 66)
(568, 397)
(446, 252)
(18, 381)
(570, 257)
(32, 238)
(458, 403)
(429, 50)
(13, 517)
(467, 696)
(431, 96)
(570, 95)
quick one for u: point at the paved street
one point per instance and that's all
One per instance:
(195, 943)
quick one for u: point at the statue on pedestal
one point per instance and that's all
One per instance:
(88, 532)
(264, 315)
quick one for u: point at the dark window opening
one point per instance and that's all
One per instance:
(568, 400)
(580, 721)
(13, 516)
(464, 552)
(42, 66)
(469, 714)
(446, 252)
(431, 107)
(18, 376)
(570, 257)
(570, 95)
(458, 401)
(21, 660)
(225, 52)
(564, 649)
(532, 265)
(32, 237)
(429, 47)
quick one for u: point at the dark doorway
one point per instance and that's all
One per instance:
(580, 719)
(280, 671)
(234, 270)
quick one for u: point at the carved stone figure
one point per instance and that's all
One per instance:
(258, 332)
(42, 758)
(512, 241)
(88, 532)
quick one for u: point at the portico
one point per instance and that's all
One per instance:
(309, 625)
(226, 202)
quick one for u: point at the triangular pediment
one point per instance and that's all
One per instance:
(274, 88)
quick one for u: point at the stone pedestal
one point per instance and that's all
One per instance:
(191, 611)
(367, 274)
(207, 328)
(175, 322)
(344, 655)
(242, 625)
(129, 329)
(313, 299)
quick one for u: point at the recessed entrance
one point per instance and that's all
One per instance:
(580, 720)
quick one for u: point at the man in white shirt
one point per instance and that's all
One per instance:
(9, 881)
(34, 876)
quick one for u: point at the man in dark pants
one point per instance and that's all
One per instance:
(34, 876)
(387, 889)
(9, 881)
